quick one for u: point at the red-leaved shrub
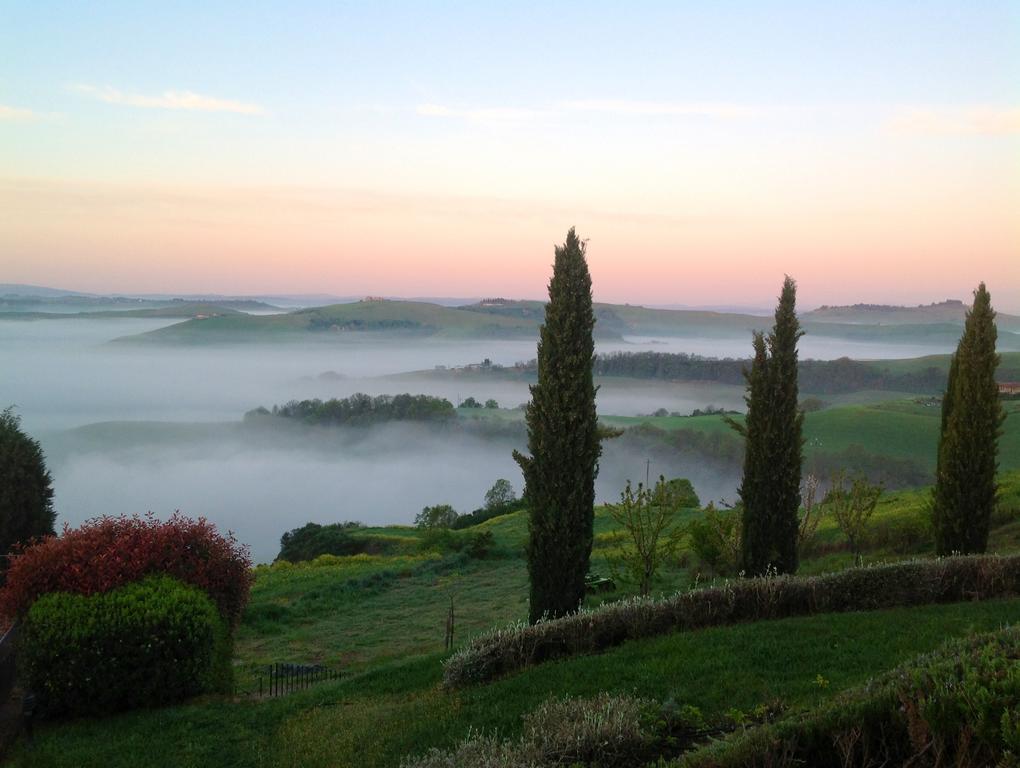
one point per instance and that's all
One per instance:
(108, 552)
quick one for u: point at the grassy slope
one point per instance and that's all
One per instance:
(375, 718)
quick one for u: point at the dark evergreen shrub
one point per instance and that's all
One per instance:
(145, 644)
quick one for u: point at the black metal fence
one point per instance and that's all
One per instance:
(281, 679)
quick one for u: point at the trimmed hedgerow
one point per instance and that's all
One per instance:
(145, 644)
(959, 706)
(603, 732)
(919, 582)
(108, 552)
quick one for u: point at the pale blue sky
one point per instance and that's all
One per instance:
(735, 113)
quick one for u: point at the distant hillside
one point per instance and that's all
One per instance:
(506, 319)
(402, 318)
(21, 289)
(949, 311)
(195, 310)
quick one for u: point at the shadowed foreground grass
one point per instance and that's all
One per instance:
(375, 718)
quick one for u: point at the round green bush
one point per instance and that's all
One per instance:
(142, 645)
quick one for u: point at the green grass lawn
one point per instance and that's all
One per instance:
(355, 612)
(375, 718)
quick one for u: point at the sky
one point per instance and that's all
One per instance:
(871, 150)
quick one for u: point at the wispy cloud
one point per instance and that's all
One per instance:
(17, 114)
(661, 108)
(178, 100)
(479, 114)
(605, 106)
(979, 120)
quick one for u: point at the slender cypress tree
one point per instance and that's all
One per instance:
(972, 416)
(770, 489)
(785, 442)
(563, 441)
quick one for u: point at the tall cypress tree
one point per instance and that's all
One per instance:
(785, 442)
(972, 416)
(755, 554)
(770, 489)
(563, 441)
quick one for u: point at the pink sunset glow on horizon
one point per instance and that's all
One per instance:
(107, 238)
(704, 153)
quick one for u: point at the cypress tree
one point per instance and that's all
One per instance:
(972, 415)
(563, 441)
(755, 528)
(770, 489)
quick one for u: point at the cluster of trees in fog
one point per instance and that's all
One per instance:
(361, 410)
(820, 376)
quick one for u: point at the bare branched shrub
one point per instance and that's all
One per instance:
(649, 518)
(811, 515)
(853, 505)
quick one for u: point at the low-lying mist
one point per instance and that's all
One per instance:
(178, 442)
(262, 482)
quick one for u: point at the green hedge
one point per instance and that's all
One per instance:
(920, 582)
(145, 644)
(959, 706)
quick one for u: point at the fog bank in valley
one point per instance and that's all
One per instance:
(177, 441)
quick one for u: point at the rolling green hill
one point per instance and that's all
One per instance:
(400, 318)
(872, 314)
(511, 319)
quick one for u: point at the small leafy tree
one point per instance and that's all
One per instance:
(26, 492)
(682, 494)
(500, 495)
(811, 515)
(491, 403)
(649, 518)
(852, 506)
(438, 516)
(716, 539)
(470, 402)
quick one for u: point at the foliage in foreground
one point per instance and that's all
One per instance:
(373, 719)
(903, 584)
(26, 492)
(145, 644)
(108, 552)
(958, 706)
(600, 732)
